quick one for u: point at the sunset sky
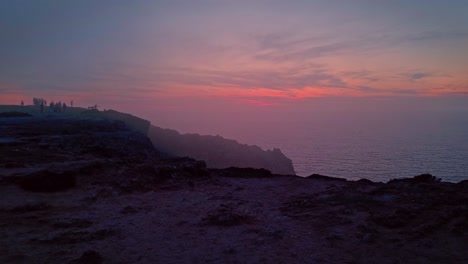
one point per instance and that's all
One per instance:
(200, 56)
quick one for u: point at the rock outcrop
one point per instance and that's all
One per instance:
(71, 139)
(55, 154)
(133, 122)
(219, 152)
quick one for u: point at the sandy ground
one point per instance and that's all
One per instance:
(228, 220)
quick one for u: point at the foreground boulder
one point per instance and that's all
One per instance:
(423, 178)
(89, 257)
(47, 181)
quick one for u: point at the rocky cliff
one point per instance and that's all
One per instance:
(219, 152)
(133, 122)
(216, 151)
(95, 191)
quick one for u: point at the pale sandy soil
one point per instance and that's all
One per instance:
(230, 220)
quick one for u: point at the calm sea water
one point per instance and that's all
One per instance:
(378, 148)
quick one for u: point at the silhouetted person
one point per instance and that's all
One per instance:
(42, 107)
(22, 103)
(58, 107)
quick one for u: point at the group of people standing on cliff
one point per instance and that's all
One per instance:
(57, 107)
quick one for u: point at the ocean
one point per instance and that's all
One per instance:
(379, 148)
(377, 140)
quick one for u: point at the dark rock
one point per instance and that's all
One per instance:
(186, 167)
(146, 176)
(423, 178)
(365, 181)
(73, 223)
(427, 178)
(297, 206)
(325, 178)
(397, 219)
(48, 181)
(43, 140)
(132, 122)
(30, 208)
(463, 183)
(12, 165)
(461, 226)
(74, 237)
(14, 114)
(7, 180)
(226, 216)
(89, 257)
(129, 210)
(235, 172)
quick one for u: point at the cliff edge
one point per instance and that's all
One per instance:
(216, 151)
(219, 152)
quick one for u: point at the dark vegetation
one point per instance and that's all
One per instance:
(14, 114)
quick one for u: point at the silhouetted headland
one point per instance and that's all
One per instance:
(219, 152)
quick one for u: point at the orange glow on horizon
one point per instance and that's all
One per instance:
(186, 94)
(13, 99)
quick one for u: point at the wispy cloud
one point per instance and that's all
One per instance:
(438, 35)
(281, 47)
(362, 75)
(289, 51)
(367, 89)
(279, 79)
(263, 103)
(419, 75)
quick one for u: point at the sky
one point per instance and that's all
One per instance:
(174, 61)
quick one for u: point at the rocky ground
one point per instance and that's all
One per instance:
(84, 191)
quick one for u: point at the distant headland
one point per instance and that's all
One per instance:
(216, 151)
